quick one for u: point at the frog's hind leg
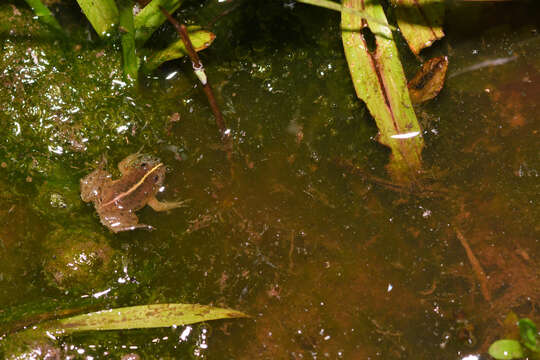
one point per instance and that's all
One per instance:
(123, 221)
(165, 205)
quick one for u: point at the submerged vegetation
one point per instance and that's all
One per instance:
(292, 217)
(514, 348)
(135, 30)
(376, 69)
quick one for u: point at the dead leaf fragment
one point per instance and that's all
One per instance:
(420, 22)
(429, 80)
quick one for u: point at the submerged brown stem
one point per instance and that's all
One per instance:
(291, 252)
(420, 190)
(223, 14)
(199, 70)
(477, 268)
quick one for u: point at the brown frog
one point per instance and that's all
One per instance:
(117, 200)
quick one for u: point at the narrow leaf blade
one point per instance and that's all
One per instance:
(133, 317)
(129, 56)
(102, 14)
(151, 18)
(145, 316)
(380, 82)
(44, 14)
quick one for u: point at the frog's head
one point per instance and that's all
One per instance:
(143, 164)
(143, 161)
(138, 161)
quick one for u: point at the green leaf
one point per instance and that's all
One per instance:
(151, 18)
(506, 349)
(44, 14)
(133, 317)
(129, 57)
(529, 333)
(145, 316)
(102, 14)
(420, 21)
(201, 39)
(379, 81)
(17, 317)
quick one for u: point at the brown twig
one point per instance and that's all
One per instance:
(291, 252)
(477, 268)
(199, 70)
(223, 14)
(143, 3)
(429, 291)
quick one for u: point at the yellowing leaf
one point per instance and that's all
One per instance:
(420, 21)
(145, 316)
(132, 317)
(201, 39)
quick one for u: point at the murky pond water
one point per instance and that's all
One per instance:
(299, 227)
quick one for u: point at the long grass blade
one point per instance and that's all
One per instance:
(129, 57)
(145, 316)
(102, 14)
(132, 317)
(44, 14)
(380, 82)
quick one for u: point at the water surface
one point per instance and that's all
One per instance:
(329, 261)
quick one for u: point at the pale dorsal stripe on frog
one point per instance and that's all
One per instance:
(134, 187)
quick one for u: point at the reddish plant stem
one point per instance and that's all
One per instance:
(197, 65)
(224, 13)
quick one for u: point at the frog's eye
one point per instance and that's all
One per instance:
(143, 165)
(156, 178)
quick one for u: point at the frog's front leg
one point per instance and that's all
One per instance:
(165, 205)
(93, 183)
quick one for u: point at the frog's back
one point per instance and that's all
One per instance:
(133, 190)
